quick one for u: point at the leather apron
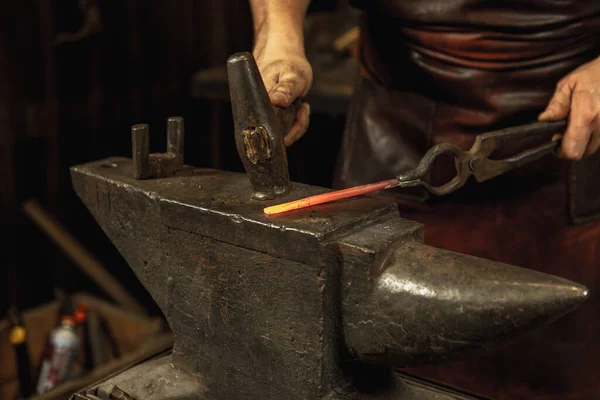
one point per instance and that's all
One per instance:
(444, 71)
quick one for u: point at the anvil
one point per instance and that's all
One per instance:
(321, 303)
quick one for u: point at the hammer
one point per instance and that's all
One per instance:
(259, 128)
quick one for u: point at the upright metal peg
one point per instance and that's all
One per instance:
(157, 165)
(140, 140)
(175, 137)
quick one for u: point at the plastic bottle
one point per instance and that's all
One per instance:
(60, 352)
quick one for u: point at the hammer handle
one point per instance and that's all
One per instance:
(287, 115)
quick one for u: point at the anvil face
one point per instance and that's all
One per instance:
(305, 304)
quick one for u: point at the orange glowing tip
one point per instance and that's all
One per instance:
(331, 196)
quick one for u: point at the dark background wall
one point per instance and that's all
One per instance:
(72, 102)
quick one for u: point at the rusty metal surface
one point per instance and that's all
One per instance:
(305, 304)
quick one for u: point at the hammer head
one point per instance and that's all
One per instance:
(259, 129)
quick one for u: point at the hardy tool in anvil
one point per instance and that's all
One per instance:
(320, 304)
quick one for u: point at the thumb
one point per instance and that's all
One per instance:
(559, 106)
(283, 93)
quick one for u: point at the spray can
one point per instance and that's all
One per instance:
(60, 352)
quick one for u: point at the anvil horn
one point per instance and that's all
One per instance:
(429, 305)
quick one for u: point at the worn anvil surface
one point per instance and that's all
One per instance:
(319, 303)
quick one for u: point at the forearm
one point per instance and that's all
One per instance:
(279, 23)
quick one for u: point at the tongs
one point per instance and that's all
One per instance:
(474, 162)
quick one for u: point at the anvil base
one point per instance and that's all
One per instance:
(158, 379)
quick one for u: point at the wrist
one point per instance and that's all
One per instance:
(280, 35)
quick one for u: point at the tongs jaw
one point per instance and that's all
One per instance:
(476, 161)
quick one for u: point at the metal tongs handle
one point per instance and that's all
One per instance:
(484, 168)
(476, 161)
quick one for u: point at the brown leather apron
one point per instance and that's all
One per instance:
(444, 71)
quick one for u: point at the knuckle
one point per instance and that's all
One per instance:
(283, 92)
(291, 67)
(568, 84)
(571, 153)
(562, 84)
(587, 117)
(287, 85)
(573, 77)
(302, 125)
(555, 105)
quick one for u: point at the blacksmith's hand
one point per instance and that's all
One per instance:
(287, 75)
(279, 54)
(577, 97)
